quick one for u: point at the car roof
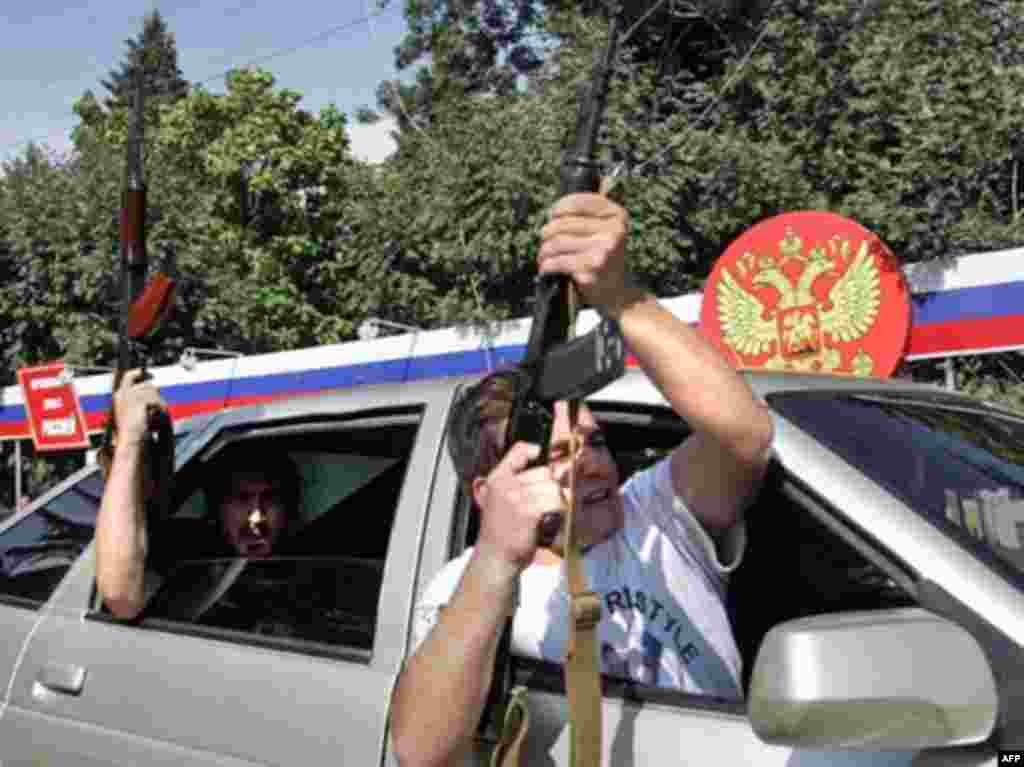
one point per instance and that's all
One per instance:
(766, 382)
(633, 386)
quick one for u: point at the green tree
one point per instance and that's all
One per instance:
(900, 115)
(254, 285)
(42, 298)
(244, 191)
(449, 223)
(491, 46)
(477, 167)
(39, 230)
(156, 52)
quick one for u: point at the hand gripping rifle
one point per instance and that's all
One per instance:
(143, 309)
(557, 367)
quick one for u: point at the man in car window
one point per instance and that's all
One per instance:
(252, 496)
(659, 549)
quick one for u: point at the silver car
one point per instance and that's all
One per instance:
(879, 609)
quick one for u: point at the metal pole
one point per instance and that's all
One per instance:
(17, 474)
(950, 374)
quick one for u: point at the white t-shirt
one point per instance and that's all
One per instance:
(662, 586)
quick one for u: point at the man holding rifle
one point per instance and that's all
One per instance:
(251, 496)
(658, 550)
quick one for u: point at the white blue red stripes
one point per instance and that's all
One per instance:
(233, 388)
(973, 304)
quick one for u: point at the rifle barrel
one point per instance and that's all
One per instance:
(133, 222)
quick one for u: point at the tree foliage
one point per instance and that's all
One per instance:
(250, 285)
(253, 286)
(468, 48)
(899, 114)
(155, 52)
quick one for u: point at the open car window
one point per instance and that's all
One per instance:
(326, 600)
(318, 590)
(328, 478)
(794, 564)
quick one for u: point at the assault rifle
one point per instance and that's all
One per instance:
(143, 309)
(554, 366)
(558, 367)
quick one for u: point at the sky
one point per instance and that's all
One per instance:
(51, 51)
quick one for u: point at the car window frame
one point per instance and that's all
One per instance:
(547, 677)
(235, 431)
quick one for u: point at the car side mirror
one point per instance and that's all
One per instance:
(888, 679)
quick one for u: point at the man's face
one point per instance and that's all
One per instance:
(599, 505)
(253, 515)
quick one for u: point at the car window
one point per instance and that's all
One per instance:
(326, 600)
(320, 587)
(794, 565)
(37, 551)
(959, 464)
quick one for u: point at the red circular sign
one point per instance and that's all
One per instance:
(810, 292)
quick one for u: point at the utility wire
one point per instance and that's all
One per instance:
(319, 37)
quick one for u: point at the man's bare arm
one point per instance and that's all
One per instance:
(121, 535)
(719, 467)
(443, 689)
(121, 540)
(717, 471)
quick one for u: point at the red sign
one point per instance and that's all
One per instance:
(54, 412)
(810, 292)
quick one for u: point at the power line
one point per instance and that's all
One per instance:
(319, 37)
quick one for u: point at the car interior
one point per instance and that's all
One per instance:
(795, 566)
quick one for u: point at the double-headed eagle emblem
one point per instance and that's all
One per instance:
(786, 315)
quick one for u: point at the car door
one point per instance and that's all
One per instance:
(653, 728)
(164, 690)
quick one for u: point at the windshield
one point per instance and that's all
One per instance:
(956, 462)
